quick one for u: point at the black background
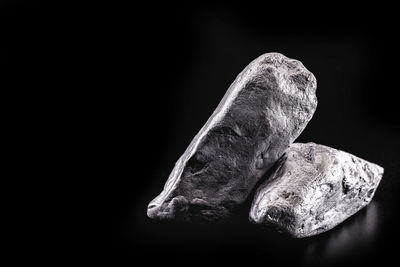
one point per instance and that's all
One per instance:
(126, 88)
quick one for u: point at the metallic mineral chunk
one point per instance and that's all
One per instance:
(313, 188)
(262, 113)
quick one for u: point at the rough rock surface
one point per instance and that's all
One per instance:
(313, 188)
(262, 113)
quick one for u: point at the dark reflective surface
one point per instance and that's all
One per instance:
(135, 82)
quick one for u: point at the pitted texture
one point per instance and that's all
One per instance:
(262, 113)
(313, 188)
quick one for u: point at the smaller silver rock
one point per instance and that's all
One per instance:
(314, 188)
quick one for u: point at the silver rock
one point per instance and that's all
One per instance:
(262, 113)
(313, 188)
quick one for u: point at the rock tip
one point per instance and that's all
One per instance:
(152, 210)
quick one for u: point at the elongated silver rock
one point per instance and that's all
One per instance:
(313, 188)
(262, 113)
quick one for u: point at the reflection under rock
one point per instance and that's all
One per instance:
(347, 239)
